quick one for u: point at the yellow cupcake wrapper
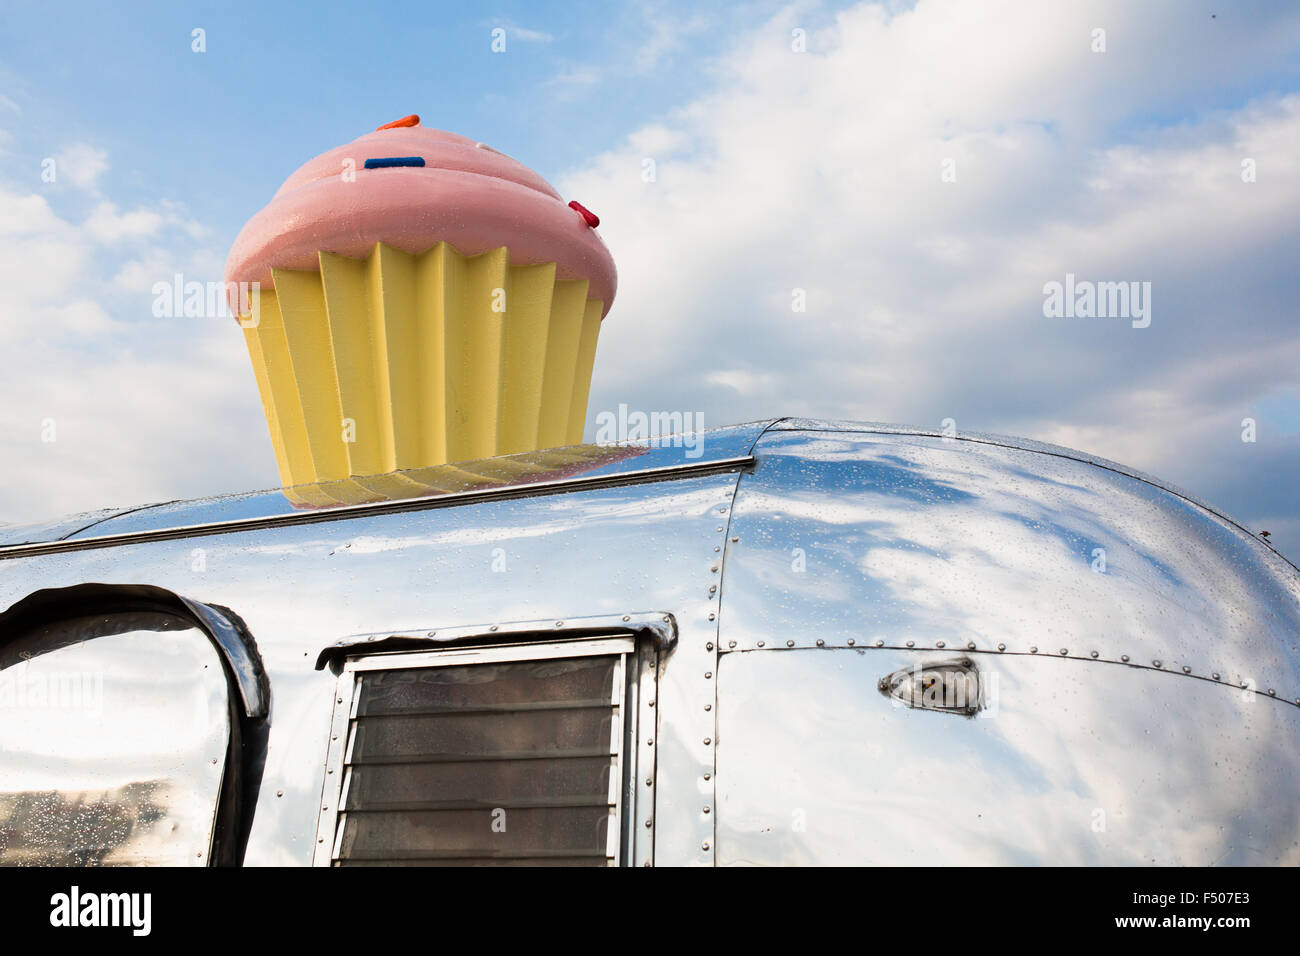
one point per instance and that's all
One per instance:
(401, 361)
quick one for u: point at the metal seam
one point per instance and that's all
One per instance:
(715, 604)
(717, 637)
(1041, 655)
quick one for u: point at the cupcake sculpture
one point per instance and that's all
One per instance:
(420, 299)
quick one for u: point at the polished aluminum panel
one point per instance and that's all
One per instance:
(1025, 444)
(55, 529)
(1066, 763)
(609, 551)
(556, 466)
(863, 538)
(113, 743)
(839, 537)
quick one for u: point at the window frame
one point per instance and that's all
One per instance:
(633, 691)
(247, 686)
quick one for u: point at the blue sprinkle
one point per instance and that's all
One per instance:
(395, 161)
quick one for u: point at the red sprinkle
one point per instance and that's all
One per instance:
(588, 216)
(411, 120)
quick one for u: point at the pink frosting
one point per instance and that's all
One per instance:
(466, 194)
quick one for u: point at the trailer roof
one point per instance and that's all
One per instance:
(577, 466)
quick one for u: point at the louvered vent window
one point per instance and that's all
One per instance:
(496, 756)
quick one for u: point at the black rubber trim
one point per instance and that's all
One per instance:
(248, 689)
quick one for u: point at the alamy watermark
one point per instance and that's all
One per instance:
(1085, 299)
(52, 690)
(657, 429)
(133, 911)
(177, 298)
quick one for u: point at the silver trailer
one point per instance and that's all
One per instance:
(789, 642)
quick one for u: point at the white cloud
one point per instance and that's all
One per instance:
(137, 404)
(742, 381)
(574, 80)
(668, 29)
(106, 223)
(81, 164)
(28, 215)
(530, 36)
(824, 171)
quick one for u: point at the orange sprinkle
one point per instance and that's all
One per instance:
(411, 120)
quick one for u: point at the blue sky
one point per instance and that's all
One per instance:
(777, 170)
(279, 83)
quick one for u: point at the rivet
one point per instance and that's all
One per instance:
(722, 511)
(721, 529)
(707, 741)
(708, 776)
(706, 808)
(938, 644)
(1186, 669)
(880, 642)
(1215, 675)
(1124, 658)
(820, 642)
(559, 624)
(647, 823)
(762, 643)
(330, 770)
(492, 628)
(708, 706)
(714, 569)
(279, 793)
(789, 643)
(649, 741)
(1002, 647)
(734, 540)
(717, 549)
(338, 700)
(911, 643)
(1245, 684)
(627, 617)
(708, 674)
(321, 840)
(667, 619)
(1094, 653)
(649, 782)
(970, 646)
(704, 845)
(851, 642)
(650, 703)
(1155, 663)
(1033, 650)
(432, 633)
(731, 643)
(1272, 692)
(708, 646)
(712, 615)
(1064, 651)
